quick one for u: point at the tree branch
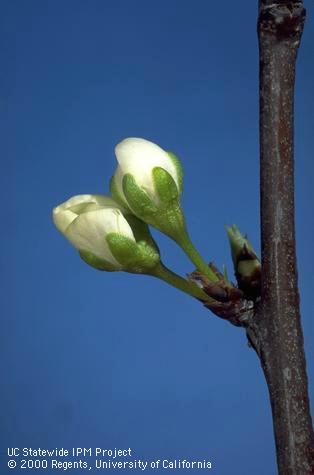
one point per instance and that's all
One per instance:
(275, 331)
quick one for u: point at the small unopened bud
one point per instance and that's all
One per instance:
(246, 264)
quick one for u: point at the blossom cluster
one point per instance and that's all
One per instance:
(112, 233)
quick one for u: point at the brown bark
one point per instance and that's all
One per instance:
(275, 329)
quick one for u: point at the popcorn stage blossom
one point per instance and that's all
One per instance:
(105, 234)
(139, 157)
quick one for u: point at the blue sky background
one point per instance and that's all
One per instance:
(91, 359)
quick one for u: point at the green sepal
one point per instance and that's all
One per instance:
(167, 215)
(141, 231)
(149, 256)
(177, 164)
(122, 248)
(165, 186)
(133, 256)
(137, 198)
(96, 262)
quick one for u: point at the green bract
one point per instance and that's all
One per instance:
(106, 235)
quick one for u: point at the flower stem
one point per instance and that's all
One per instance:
(184, 241)
(165, 274)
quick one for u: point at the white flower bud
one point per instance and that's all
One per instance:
(86, 220)
(138, 157)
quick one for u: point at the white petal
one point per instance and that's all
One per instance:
(76, 200)
(64, 214)
(118, 178)
(88, 231)
(138, 157)
(62, 218)
(104, 201)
